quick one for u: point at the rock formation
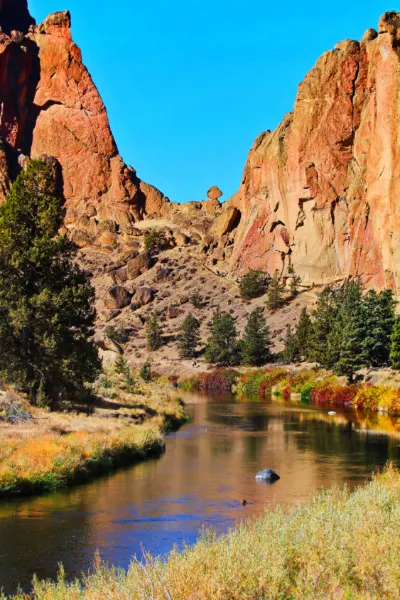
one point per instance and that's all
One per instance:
(50, 106)
(322, 191)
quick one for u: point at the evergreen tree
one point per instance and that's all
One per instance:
(153, 333)
(189, 337)
(351, 356)
(121, 365)
(324, 320)
(304, 335)
(295, 281)
(395, 346)
(290, 353)
(222, 346)
(348, 327)
(253, 284)
(256, 343)
(379, 320)
(46, 303)
(275, 292)
(145, 372)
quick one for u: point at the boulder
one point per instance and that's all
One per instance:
(143, 296)
(181, 239)
(214, 193)
(225, 222)
(268, 475)
(140, 264)
(117, 297)
(121, 274)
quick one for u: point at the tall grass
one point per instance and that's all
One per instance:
(340, 546)
(30, 466)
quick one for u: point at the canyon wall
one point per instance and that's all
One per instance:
(321, 192)
(50, 106)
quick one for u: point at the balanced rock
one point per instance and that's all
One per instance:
(214, 193)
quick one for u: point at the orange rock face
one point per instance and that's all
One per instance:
(52, 107)
(322, 191)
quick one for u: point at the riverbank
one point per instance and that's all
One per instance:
(376, 390)
(340, 545)
(47, 451)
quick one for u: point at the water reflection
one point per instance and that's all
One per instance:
(209, 467)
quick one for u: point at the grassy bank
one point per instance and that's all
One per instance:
(309, 385)
(55, 450)
(341, 546)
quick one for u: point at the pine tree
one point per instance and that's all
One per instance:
(189, 337)
(295, 281)
(351, 356)
(253, 284)
(395, 346)
(275, 292)
(46, 303)
(290, 353)
(324, 319)
(379, 320)
(153, 333)
(222, 346)
(121, 365)
(304, 335)
(145, 372)
(256, 342)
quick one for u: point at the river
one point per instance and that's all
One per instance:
(208, 469)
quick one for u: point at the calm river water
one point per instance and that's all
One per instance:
(209, 467)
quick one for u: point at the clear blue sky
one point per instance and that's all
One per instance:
(189, 85)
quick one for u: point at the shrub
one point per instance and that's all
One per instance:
(253, 284)
(197, 299)
(155, 241)
(145, 372)
(371, 397)
(116, 334)
(220, 380)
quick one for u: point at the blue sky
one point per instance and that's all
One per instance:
(189, 85)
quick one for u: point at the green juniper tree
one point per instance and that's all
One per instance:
(145, 372)
(276, 290)
(189, 337)
(395, 346)
(222, 346)
(153, 333)
(47, 310)
(255, 347)
(121, 365)
(253, 284)
(304, 335)
(295, 281)
(379, 319)
(290, 352)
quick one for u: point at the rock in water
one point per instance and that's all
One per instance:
(268, 475)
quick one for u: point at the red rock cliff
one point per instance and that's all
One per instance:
(322, 191)
(50, 106)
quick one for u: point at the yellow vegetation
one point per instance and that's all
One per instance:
(341, 546)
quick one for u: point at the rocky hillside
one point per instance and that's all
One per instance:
(319, 193)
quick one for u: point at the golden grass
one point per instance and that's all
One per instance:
(60, 449)
(340, 546)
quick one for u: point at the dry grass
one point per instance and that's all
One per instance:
(340, 546)
(58, 449)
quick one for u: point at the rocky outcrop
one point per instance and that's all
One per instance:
(321, 192)
(51, 106)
